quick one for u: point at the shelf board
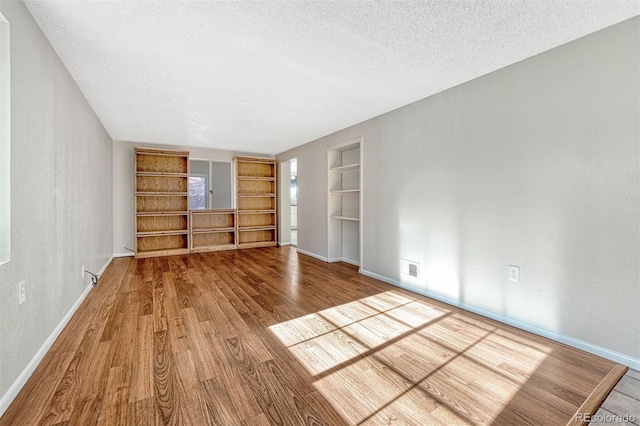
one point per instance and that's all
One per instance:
(256, 160)
(355, 219)
(213, 211)
(256, 244)
(160, 174)
(345, 191)
(255, 211)
(214, 247)
(213, 230)
(165, 252)
(161, 233)
(162, 194)
(163, 152)
(253, 195)
(176, 213)
(345, 168)
(261, 178)
(257, 228)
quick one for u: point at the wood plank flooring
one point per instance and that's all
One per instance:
(270, 337)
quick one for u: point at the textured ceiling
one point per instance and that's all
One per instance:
(267, 76)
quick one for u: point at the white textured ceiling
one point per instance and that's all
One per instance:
(267, 76)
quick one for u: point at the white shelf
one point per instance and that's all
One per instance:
(345, 168)
(344, 201)
(355, 219)
(345, 191)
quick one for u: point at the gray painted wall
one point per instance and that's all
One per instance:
(535, 165)
(61, 187)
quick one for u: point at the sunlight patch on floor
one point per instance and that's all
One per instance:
(392, 359)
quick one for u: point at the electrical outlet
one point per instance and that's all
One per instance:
(514, 273)
(82, 271)
(22, 294)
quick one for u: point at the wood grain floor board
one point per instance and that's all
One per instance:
(268, 336)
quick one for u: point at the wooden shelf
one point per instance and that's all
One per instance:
(263, 179)
(162, 202)
(345, 168)
(208, 231)
(215, 247)
(257, 244)
(157, 174)
(257, 202)
(257, 228)
(355, 219)
(161, 194)
(255, 211)
(212, 230)
(157, 253)
(176, 213)
(152, 233)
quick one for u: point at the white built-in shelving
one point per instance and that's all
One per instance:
(344, 163)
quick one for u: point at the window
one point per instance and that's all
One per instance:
(209, 184)
(5, 151)
(197, 192)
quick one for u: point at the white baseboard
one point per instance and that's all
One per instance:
(284, 243)
(350, 262)
(558, 337)
(106, 265)
(125, 254)
(19, 383)
(343, 259)
(308, 253)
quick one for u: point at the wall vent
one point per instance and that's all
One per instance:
(410, 269)
(413, 269)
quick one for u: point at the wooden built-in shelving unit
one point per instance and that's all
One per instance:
(256, 202)
(162, 202)
(213, 230)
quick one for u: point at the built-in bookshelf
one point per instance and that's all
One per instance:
(213, 230)
(344, 201)
(256, 202)
(161, 202)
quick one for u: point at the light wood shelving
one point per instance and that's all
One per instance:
(344, 201)
(256, 202)
(213, 230)
(162, 202)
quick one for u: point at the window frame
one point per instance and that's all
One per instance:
(5, 141)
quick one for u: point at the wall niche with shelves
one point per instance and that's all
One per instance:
(344, 163)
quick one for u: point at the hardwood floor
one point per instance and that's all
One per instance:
(267, 336)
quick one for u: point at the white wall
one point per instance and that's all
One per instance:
(535, 165)
(61, 190)
(124, 185)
